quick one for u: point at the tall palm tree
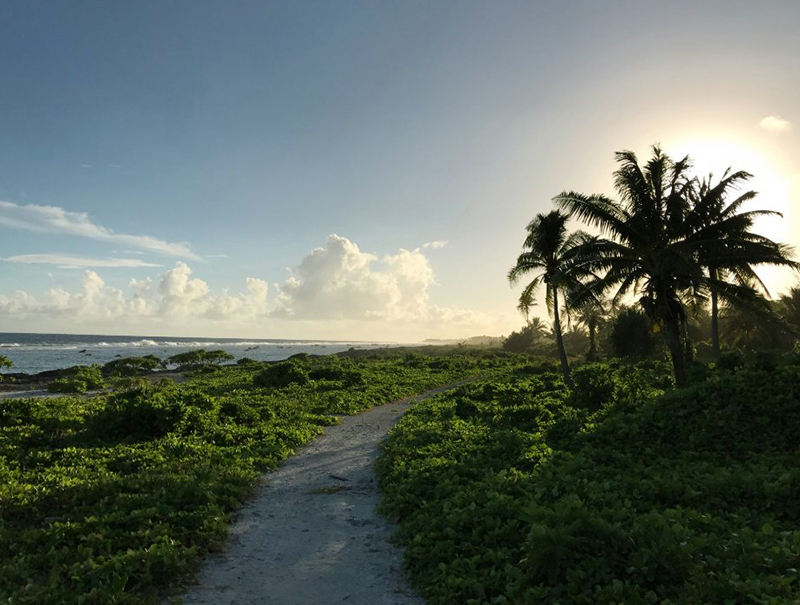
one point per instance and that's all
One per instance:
(592, 314)
(727, 247)
(646, 253)
(660, 250)
(552, 254)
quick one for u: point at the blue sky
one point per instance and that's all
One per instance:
(204, 144)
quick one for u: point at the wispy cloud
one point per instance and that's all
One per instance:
(775, 124)
(216, 256)
(436, 245)
(52, 219)
(86, 165)
(67, 261)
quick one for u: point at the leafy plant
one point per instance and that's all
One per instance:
(508, 493)
(199, 358)
(79, 380)
(282, 375)
(132, 366)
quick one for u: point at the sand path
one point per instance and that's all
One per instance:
(310, 535)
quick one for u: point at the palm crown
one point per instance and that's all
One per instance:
(554, 255)
(669, 236)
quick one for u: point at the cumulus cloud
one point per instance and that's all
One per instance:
(334, 285)
(174, 296)
(340, 282)
(52, 219)
(66, 261)
(435, 245)
(775, 124)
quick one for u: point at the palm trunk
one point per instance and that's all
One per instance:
(672, 334)
(592, 356)
(562, 354)
(686, 341)
(714, 318)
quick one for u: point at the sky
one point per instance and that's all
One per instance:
(352, 170)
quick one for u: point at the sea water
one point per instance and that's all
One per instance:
(33, 353)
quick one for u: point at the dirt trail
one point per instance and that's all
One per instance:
(311, 535)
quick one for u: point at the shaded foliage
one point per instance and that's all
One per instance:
(632, 334)
(520, 491)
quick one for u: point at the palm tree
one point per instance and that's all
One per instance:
(660, 249)
(790, 309)
(551, 253)
(647, 254)
(727, 247)
(749, 329)
(592, 314)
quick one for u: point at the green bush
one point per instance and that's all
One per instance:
(632, 334)
(596, 385)
(199, 358)
(5, 362)
(126, 383)
(144, 413)
(79, 380)
(281, 375)
(132, 366)
(246, 361)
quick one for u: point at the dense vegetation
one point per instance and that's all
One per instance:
(518, 490)
(109, 499)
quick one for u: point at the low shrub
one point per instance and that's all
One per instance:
(596, 385)
(199, 358)
(281, 375)
(79, 380)
(132, 366)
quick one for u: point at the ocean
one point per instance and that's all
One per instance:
(33, 353)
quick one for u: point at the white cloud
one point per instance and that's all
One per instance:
(435, 245)
(337, 291)
(340, 282)
(173, 297)
(66, 261)
(52, 219)
(775, 124)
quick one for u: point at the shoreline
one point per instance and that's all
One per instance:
(25, 382)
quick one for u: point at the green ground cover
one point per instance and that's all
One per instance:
(110, 499)
(515, 490)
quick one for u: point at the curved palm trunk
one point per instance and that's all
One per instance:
(672, 334)
(714, 318)
(562, 354)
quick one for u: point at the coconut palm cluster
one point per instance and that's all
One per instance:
(669, 241)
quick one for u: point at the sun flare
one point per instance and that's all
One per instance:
(776, 191)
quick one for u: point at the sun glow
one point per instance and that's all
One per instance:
(776, 192)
